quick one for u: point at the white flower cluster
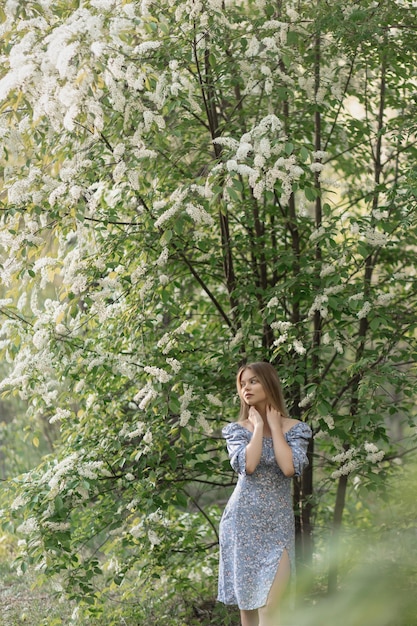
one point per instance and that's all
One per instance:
(366, 308)
(236, 339)
(375, 237)
(383, 299)
(90, 469)
(138, 430)
(320, 304)
(371, 235)
(145, 396)
(298, 347)
(307, 400)
(18, 502)
(152, 526)
(328, 420)
(174, 363)
(214, 400)
(373, 454)
(169, 340)
(273, 302)
(199, 214)
(203, 423)
(348, 463)
(337, 344)
(59, 415)
(283, 328)
(56, 476)
(265, 153)
(185, 400)
(352, 458)
(28, 527)
(175, 202)
(161, 375)
(321, 300)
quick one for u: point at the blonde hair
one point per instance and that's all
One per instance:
(271, 384)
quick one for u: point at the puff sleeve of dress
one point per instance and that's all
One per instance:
(237, 438)
(298, 438)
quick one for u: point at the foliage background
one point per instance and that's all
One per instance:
(186, 186)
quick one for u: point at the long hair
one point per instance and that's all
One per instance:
(271, 383)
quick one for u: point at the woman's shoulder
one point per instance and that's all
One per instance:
(235, 427)
(296, 428)
(289, 424)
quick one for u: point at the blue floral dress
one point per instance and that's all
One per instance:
(258, 522)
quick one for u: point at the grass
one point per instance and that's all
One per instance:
(23, 603)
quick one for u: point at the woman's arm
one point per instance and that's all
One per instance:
(282, 451)
(254, 447)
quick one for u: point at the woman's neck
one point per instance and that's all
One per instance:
(261, 408)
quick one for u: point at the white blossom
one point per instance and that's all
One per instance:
(137, 432)
(357, 296)
(318, 155)
(18, 502)
(298, 347)
(366, 308)
(346, 455)
(199, 214)
(317, 233)
(338, 346)
(214, 400)
(328, 420)
(163, 257)
(147, 438)
(174, 363)
(161, 375)
(316, 167)
(151, 394)
(243, 150)
(236, 339)
(185, 417)
(153, 538)
(345, 469)
(40, 338)
(273, 302)
(57, 526)
(203, 423)
(28, 527)
(90, 469)
(59, 415)
(384, 299)
(307, 400)
(380, 215)
(319, 304)
(375, 237)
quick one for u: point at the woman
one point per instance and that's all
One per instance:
(266, 448)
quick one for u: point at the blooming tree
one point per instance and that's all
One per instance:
(189, 184)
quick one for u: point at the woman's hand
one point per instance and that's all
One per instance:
(254, 447)
(282, 450)
(255, 418)
(274, 418)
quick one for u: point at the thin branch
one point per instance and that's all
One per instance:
(203, 513)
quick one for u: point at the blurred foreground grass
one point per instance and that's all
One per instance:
(23, 604)
(377, 567)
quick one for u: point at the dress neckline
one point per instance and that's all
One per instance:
(251, 431)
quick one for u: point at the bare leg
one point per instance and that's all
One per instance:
(249, 618)
(268, 614)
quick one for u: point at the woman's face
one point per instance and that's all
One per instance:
(251, 390)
